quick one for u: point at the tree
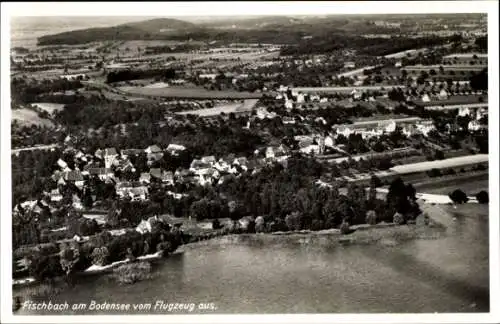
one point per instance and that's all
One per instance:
(482, 197)
(216, 224)
(260, 224)
(458, 197)
(398, 219)
(87, 199)
(69, 256)
(293, 221)
(100, 256)
(344, 228)
(371, 217)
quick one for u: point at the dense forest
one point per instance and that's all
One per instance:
(364, 46)
(118, 76)
(24, 91)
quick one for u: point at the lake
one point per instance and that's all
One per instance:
(447, 274)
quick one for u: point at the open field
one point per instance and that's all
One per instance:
(440, 164)
(189, 92)
(445, 67)
(386, 118)
(470, 184)
(247, 105)
(347, 89)
(29, 117)
(455, 103)
(355, 72)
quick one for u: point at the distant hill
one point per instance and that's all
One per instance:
(265, 29)
(159, 28)
(252, 23)
(158, 24)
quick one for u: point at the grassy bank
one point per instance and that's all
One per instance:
(385, 234)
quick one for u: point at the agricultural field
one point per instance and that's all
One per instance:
(441, 164)
(189, 92)
(384, 118)
(346, 89)
(26, 116)
(456, 100)
(246, 105)
(470, 184)
(427, 68)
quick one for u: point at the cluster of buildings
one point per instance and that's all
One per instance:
(110, 166)
(409, 127)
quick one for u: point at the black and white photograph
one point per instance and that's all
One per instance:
(326, 159)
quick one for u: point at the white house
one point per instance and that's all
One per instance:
(349, 65)
(329, 141)
(174, 149)
(110, 155)
(389, 126)
(443, 95)
(310, 149)
(474, 126)
(209, 160)
(425, 127)
(154, 153)
(288, 120)
(464, 111)
(63, 165)
(55, 195)
(356, 95)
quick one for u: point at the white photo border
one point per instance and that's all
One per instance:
(179, 9)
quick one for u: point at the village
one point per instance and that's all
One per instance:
(120, 142)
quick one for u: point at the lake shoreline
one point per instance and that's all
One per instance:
(385, 234)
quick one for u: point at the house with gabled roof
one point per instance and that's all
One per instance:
(75, 177)
(174, 149)
(154, 153)
(209, 159)
(55, 195)
(63, 165)
(145, 177)
(109, 154)
(124, 166)
(127, 153)
(197, 165)
(166, 177)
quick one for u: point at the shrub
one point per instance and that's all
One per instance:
(100, 256)
(344, 228)
(482, 197)
(458, 196)
(260, 224)
(216, 224)
(398, 219)
(371, 217)
(132, 273)
(293, 221)
(317, 225)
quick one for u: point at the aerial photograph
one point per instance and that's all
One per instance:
(267, 164)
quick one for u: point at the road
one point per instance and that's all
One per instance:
(33, 148)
